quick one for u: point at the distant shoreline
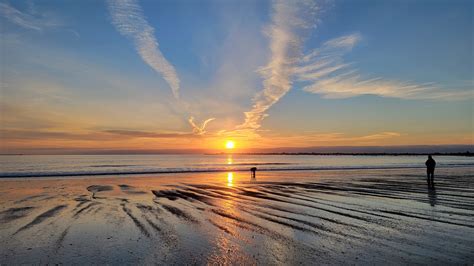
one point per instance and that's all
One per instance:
(465, 154)
(461, 154)
(441, 150)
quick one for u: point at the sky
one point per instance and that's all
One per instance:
(161, 75)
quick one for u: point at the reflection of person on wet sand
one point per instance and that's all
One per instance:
(432, 197)
(253, 170)
(430, 167)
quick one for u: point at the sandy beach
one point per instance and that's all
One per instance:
(308, 217)
(255, 132)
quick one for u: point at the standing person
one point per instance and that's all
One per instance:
(430, 167)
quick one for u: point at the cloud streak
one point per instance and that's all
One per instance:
(146, 134)
(105, 135)
(129, 20)
(334, 138)
(27, 20)
(199, 130)
(289, 20)
(325, 72)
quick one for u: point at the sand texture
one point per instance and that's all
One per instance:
(329, 217)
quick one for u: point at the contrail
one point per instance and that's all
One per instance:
(289, 19)
(323, 68)
(128, 19)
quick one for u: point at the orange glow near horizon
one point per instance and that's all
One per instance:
(75, 141)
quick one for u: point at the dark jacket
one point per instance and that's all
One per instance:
(430, 163)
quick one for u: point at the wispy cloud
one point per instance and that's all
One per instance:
(146, 134)
(332, 138)
(325, 72)
(341, 137)
(289, 19)
(105, 135)
(28, 20)
(129, 20)
(199, 130)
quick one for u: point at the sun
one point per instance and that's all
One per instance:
(230, 144)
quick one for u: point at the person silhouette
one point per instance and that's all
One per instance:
(430, 167)
(253, 170)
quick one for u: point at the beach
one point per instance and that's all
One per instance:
(345, 216)
(255, 132)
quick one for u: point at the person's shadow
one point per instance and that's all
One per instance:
(432, 197)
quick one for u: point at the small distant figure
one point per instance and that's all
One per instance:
(253, 170)
(430, 167)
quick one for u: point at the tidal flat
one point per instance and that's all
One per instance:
(384, 216)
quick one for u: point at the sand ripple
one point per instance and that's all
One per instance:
(393, 218)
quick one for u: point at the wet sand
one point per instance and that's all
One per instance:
(318, 217)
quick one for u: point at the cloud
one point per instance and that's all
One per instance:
(382, 135)
(325, 72)
(289, 20)
(344, 42)
(128, 19)
(105, 135)
(28, 20)
(346, 86)
(199, 130)
(332, 138)
(21, 134)
(146, 134)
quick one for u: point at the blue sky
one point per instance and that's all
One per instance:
(266, 73)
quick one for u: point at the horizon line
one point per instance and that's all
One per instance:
(388, 149)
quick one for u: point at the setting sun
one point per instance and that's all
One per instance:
(230, 144)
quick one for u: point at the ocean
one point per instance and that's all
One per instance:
(92, 165)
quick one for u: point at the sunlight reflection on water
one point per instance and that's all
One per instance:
(230, 179)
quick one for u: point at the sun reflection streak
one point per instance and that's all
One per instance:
(230, 179)
(227, 252)
(229, 159)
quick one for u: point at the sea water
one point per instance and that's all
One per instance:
(90, 165)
